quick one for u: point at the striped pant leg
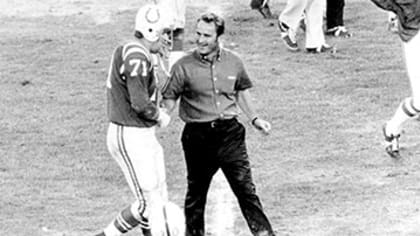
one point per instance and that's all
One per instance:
(140, 157)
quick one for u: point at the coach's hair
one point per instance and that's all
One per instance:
(218, 21)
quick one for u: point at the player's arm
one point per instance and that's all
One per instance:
(243, 99)
(137, 71)
(173, 87)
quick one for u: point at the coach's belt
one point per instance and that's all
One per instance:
(221, 122)
(214, 123)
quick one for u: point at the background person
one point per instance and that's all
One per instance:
(408, 14)
(335, 19)
(177, 9)
(289, 21)
(262, 7)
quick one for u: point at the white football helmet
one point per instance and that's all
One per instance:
(175, 219)
(152, 20)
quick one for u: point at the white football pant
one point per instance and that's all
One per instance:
(140, 157)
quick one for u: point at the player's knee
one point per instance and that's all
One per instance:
(138, 210)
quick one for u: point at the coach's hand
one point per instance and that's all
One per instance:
(262, 125)
(164, 118)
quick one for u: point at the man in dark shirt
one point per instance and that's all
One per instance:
(211, 82)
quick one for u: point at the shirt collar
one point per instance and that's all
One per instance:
(216, 56)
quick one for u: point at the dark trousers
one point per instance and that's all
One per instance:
(208, 147)
(335, 12)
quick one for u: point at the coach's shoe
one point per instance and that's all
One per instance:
(323, 49)
(393, 144)
(288, 36)
(339, 31)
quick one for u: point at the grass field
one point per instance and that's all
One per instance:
(322, 171)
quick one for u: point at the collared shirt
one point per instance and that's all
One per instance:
(207, 89)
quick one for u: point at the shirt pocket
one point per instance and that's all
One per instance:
(226, 84)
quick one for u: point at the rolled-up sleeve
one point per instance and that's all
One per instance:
(243, 81)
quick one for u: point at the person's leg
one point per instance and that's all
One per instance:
(289, 21)
(314, 24)
(409, 107)
(140, 157)
(335, 9)
(201, 166)
(335, 19)
(292, 13)
(236, 167)
(262, 7)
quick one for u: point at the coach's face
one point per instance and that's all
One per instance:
(206, 37)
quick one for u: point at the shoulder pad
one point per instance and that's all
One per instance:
(134, 47)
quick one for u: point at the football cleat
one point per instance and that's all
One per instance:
(393, 144)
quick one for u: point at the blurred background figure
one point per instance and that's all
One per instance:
(177, 8)
(335, 19)
(289, 21)
(262, 7)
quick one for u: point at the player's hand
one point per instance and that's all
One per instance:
(392, 22)
(262, 125)
(164, 118)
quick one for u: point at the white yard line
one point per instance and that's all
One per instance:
(221, 214)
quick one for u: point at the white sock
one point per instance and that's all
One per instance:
(404, 112)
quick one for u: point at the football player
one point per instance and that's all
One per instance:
(133, 114)
(408, 15)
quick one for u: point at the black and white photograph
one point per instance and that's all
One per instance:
(210, 118)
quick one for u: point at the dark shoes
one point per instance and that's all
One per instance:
(323, 49)
(339, 31)
(393, 144)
